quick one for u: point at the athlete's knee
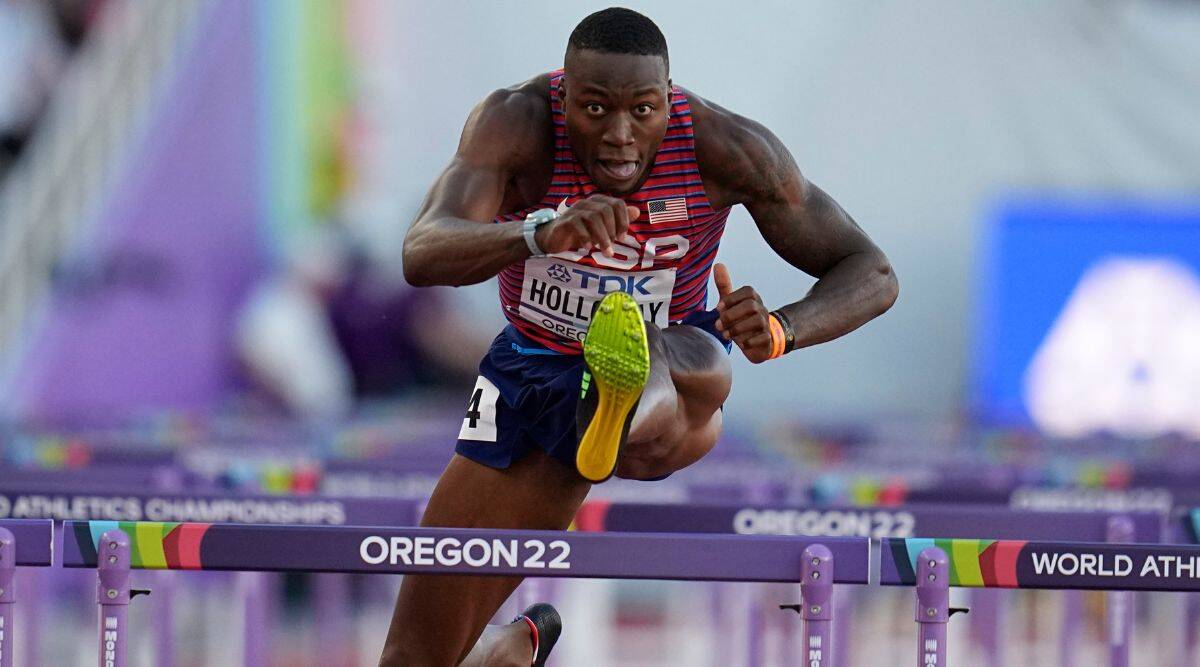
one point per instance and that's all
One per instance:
(657, 458)
(653, 468)
(640, 469)
(710, 386)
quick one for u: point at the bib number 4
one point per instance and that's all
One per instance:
(480, 420)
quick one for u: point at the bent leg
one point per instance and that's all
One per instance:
(438, 618)
(678, 418)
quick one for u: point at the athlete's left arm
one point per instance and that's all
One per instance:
(804, 226)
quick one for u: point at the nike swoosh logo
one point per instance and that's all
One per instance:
(562, 206)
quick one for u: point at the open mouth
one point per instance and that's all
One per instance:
(618, 170)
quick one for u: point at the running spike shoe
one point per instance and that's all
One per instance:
(618, 365)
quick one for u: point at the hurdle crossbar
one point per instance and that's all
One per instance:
(936, 521)
(89, 502)
(34, 541)
(243, 547)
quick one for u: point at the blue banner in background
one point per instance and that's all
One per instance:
(1088, 317)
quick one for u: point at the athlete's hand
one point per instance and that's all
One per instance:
(595, 222)
(742, 317)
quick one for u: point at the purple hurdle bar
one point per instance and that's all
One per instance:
(8, 568)
(113, 596)
(33, 540)
(476, 551)
(933, 606)
(354, 549)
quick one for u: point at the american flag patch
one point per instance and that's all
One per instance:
(667, 210)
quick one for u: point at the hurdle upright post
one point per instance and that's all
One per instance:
(816, 599)
(164, 619)
(1191, 616)
(933, 606)
(8, 596)
(987, 624)
(1070, 627)
(333, 612)
(255, 593)
(845, 599)
(1119, 604)
(112, 565)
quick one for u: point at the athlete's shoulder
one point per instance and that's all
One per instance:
(739, 158)
(513, 123)
(524, 103)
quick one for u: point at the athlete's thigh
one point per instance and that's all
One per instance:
(535, 492)
(438, 618)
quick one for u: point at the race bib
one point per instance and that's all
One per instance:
(560, 295)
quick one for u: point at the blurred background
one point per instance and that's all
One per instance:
(202, 206)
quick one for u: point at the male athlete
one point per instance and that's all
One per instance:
(598, 195)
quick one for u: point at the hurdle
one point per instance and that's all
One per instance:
(23, 543)
(82, 500)
(901, 521)
(116, 548)
(933, 566)
(925, 521)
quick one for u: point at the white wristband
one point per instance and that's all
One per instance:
(529, 229)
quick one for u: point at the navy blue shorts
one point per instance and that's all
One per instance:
(526, 396)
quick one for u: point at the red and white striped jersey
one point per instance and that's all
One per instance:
(550, 299)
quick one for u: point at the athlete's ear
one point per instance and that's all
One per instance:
(562, 88)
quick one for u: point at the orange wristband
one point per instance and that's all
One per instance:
(778, 338)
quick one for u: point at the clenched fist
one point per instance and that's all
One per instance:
(592, 223)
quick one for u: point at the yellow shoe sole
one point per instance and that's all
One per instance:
(618, 357)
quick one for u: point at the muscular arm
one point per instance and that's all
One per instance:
(447, 243)
(800, 222)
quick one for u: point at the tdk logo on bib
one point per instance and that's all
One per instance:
(561, 296)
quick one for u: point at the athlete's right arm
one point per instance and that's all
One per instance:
(507, 136)
(446, 243)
